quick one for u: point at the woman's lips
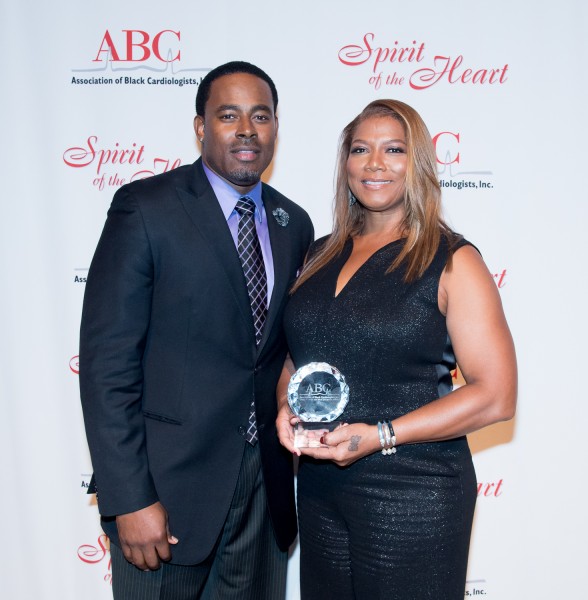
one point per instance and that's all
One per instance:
(376, 183)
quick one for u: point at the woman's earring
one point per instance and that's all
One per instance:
(352, 198)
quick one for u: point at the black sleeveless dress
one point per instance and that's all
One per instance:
(395, 527)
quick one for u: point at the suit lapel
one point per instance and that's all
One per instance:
(279, 239)
(205, 212)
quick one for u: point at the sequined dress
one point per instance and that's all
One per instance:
(394, 527)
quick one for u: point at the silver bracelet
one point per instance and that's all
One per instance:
(387, 437)
(381, 435)
(392, 437)
(387, 434)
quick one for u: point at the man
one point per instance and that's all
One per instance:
(181, 349)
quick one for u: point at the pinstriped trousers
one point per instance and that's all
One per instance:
(246, 563)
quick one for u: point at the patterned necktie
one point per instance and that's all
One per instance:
(254, 270)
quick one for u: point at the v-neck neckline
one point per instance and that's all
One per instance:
(363, 264)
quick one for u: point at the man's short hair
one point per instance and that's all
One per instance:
(230, 68)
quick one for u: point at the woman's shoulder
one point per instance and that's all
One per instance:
(452, 241)
(464, 272)
(317, 246)
(451, 245)
(463, 260)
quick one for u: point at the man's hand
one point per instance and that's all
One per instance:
(145, 538)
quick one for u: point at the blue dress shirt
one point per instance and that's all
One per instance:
(227, 197)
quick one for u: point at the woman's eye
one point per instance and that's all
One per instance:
(357, 150)
(396, 150)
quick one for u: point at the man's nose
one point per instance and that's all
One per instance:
(246, 128)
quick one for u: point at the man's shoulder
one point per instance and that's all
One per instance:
(179, 176)
(278, 200)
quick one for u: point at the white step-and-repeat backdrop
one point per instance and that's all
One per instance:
(96, 95)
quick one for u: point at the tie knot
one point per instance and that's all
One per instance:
(245, 206)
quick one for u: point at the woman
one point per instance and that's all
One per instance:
(393, 298)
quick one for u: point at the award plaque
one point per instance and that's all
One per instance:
(317, 395)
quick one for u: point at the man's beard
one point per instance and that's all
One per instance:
(244, 177)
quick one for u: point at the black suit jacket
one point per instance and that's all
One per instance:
(169, 364)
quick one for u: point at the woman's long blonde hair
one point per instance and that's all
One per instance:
(423, 224)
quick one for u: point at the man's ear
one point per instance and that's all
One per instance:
(199, 127)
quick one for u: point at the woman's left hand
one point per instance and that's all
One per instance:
(346, 444)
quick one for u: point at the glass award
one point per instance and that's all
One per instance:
(317, 395)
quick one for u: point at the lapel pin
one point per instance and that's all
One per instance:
(282, 217)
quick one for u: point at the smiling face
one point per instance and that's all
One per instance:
(238, 130)
(376, 165)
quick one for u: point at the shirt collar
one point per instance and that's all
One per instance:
(227, 195)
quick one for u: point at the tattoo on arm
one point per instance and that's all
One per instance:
(354, 443)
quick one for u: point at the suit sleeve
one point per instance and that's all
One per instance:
(114, 330)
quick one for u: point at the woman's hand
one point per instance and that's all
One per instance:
(346, 444)
(285, 422)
